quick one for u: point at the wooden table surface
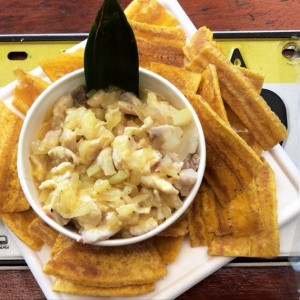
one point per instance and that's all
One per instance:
(73, 16)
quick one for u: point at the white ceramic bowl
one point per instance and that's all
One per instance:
(36, 115)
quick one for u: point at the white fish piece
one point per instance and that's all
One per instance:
(103, 232)
(68, 139)
(61, 154)
(166, 138)
(62, 168)
(59, 110)
(48, 185)
(155, 182)
(187, 178)
(105, 161)
(144, 227)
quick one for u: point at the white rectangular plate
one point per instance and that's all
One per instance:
(192, 264)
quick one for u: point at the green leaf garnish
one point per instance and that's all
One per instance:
(111, 55)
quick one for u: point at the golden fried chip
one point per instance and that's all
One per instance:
(179, 228)
(156, 40)
(231, 148)
(207, 217)
(245, 212)
(242, 98)
(242, 131)
(145, 64)
(229, 245)
(62, 242)
(257, 82)
(67, 286)
(234, 120)
(265, 243)
(42, 230)
(204, 36)
(209, 89)
(183, 79)
(29, 87)
(248, 137)
(62, 64)
(163, 51)
(12, 198)
(216, 217)
(240, 216)
(199, 232)
(158, 33)
(151, 12)
(199, 39)
(168, 247)
(105, 266)
(18, 223)
(222, 179)
(256, 79)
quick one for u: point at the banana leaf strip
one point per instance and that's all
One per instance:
(111, 55)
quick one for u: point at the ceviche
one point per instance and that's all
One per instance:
(113, 165)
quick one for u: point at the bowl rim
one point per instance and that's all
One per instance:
(26, 182)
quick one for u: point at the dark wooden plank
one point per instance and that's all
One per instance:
(244, 14)
(55, 16)
(227, 283)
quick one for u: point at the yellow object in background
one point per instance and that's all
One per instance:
(27, 53)
(265, 56)
(260, 54)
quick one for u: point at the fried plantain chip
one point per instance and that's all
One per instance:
(208, 218)
(242, 98)
(242, 131)
(168, 247)
(264, 243)
(158, 33)
(248, 137)
(245, 212)
(145, 64)
(157, 41)
(12, 198)
(204, 36)
(222, 220)
(240, 217)
(199, 39)
(61, 242)
(222, 179)
(229, 245)
(62, 64)
(18, 223)
(209, 89)
(183, 79)
(67, 286)
(151, 12)
(43, 231)
(92, 265)
(179, 228)
(267, 243)
(164, 51)
(231, 148)
(29, 87)
(255, 78)
(198, 231)
(234, 120)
